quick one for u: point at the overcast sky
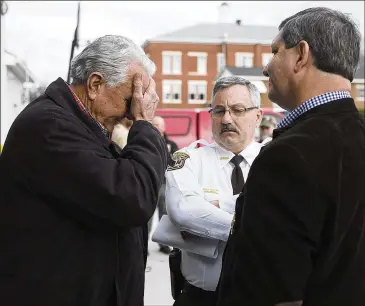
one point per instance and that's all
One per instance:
(40, 32)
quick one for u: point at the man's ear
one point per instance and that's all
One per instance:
(259, 117)
(303, 55)
(94, 82)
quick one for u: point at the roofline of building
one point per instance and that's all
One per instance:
(19, 68)
(21, 73)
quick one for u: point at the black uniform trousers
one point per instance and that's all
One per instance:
(194, 296)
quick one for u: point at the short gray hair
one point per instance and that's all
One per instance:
(229, 81)
(110, 55)
(334, 39)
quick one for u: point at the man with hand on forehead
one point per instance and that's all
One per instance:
(74, 206)
(202, 184)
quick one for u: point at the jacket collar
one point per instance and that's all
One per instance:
(336, 106)
(59, 92)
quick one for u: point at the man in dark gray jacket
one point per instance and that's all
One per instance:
(74, 206)
(299, 233)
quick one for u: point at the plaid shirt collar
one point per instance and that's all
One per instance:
(311, 103)
(87, 113)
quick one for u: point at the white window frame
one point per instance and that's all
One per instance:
(171, 83)
(247, 56)
(266, 58)
(197, 83)
(202, 58)
(221, 61)
(175, 62)
(360, 87)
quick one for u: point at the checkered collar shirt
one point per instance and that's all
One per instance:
(311, 103)
(86, 111)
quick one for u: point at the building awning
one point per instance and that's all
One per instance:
(260, 86)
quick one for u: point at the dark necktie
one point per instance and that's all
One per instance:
(237, 179)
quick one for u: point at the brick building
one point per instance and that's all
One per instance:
(189, 60)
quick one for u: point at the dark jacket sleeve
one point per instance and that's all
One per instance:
(174, 147)
(172, 144)
(277, 231)
(70, 169)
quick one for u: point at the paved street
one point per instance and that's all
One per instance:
(157, 289)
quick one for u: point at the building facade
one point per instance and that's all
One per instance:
(17, 87)
(189, 61)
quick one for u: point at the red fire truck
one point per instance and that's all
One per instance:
(184, 126)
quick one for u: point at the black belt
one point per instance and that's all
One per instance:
(190, 289)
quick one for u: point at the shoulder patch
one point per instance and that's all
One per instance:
(178, 161)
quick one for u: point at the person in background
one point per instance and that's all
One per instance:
(74, 206)
(159, 123)
(202, 184)
(299, 231)
(267, 126)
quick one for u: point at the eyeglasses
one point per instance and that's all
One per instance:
(234, 111)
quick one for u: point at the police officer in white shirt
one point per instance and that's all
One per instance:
(203, 183)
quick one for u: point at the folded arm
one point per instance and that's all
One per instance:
(187, 207)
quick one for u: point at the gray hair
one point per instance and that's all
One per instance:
(110, 55)
(334, 39)
(229, 81)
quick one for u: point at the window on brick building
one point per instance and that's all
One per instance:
(171, 91)
(221, 62)
(360, 95)
(197, 92)
(201, 63)
(266, 58)
(171, 62)
(244, 59)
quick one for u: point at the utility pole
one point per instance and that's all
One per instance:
(75, 42)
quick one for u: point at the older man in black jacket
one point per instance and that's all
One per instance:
(74, 206)
(299, 232)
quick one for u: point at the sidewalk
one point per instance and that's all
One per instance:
(157, 286)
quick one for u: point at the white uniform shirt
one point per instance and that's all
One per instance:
(203, 177)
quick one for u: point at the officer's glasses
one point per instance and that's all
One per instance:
(234, 111)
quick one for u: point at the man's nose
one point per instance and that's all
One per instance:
(227, 118)
(265, 71)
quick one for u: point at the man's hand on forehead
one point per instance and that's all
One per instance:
(144, 102)
(149, 83)
(138, 78)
